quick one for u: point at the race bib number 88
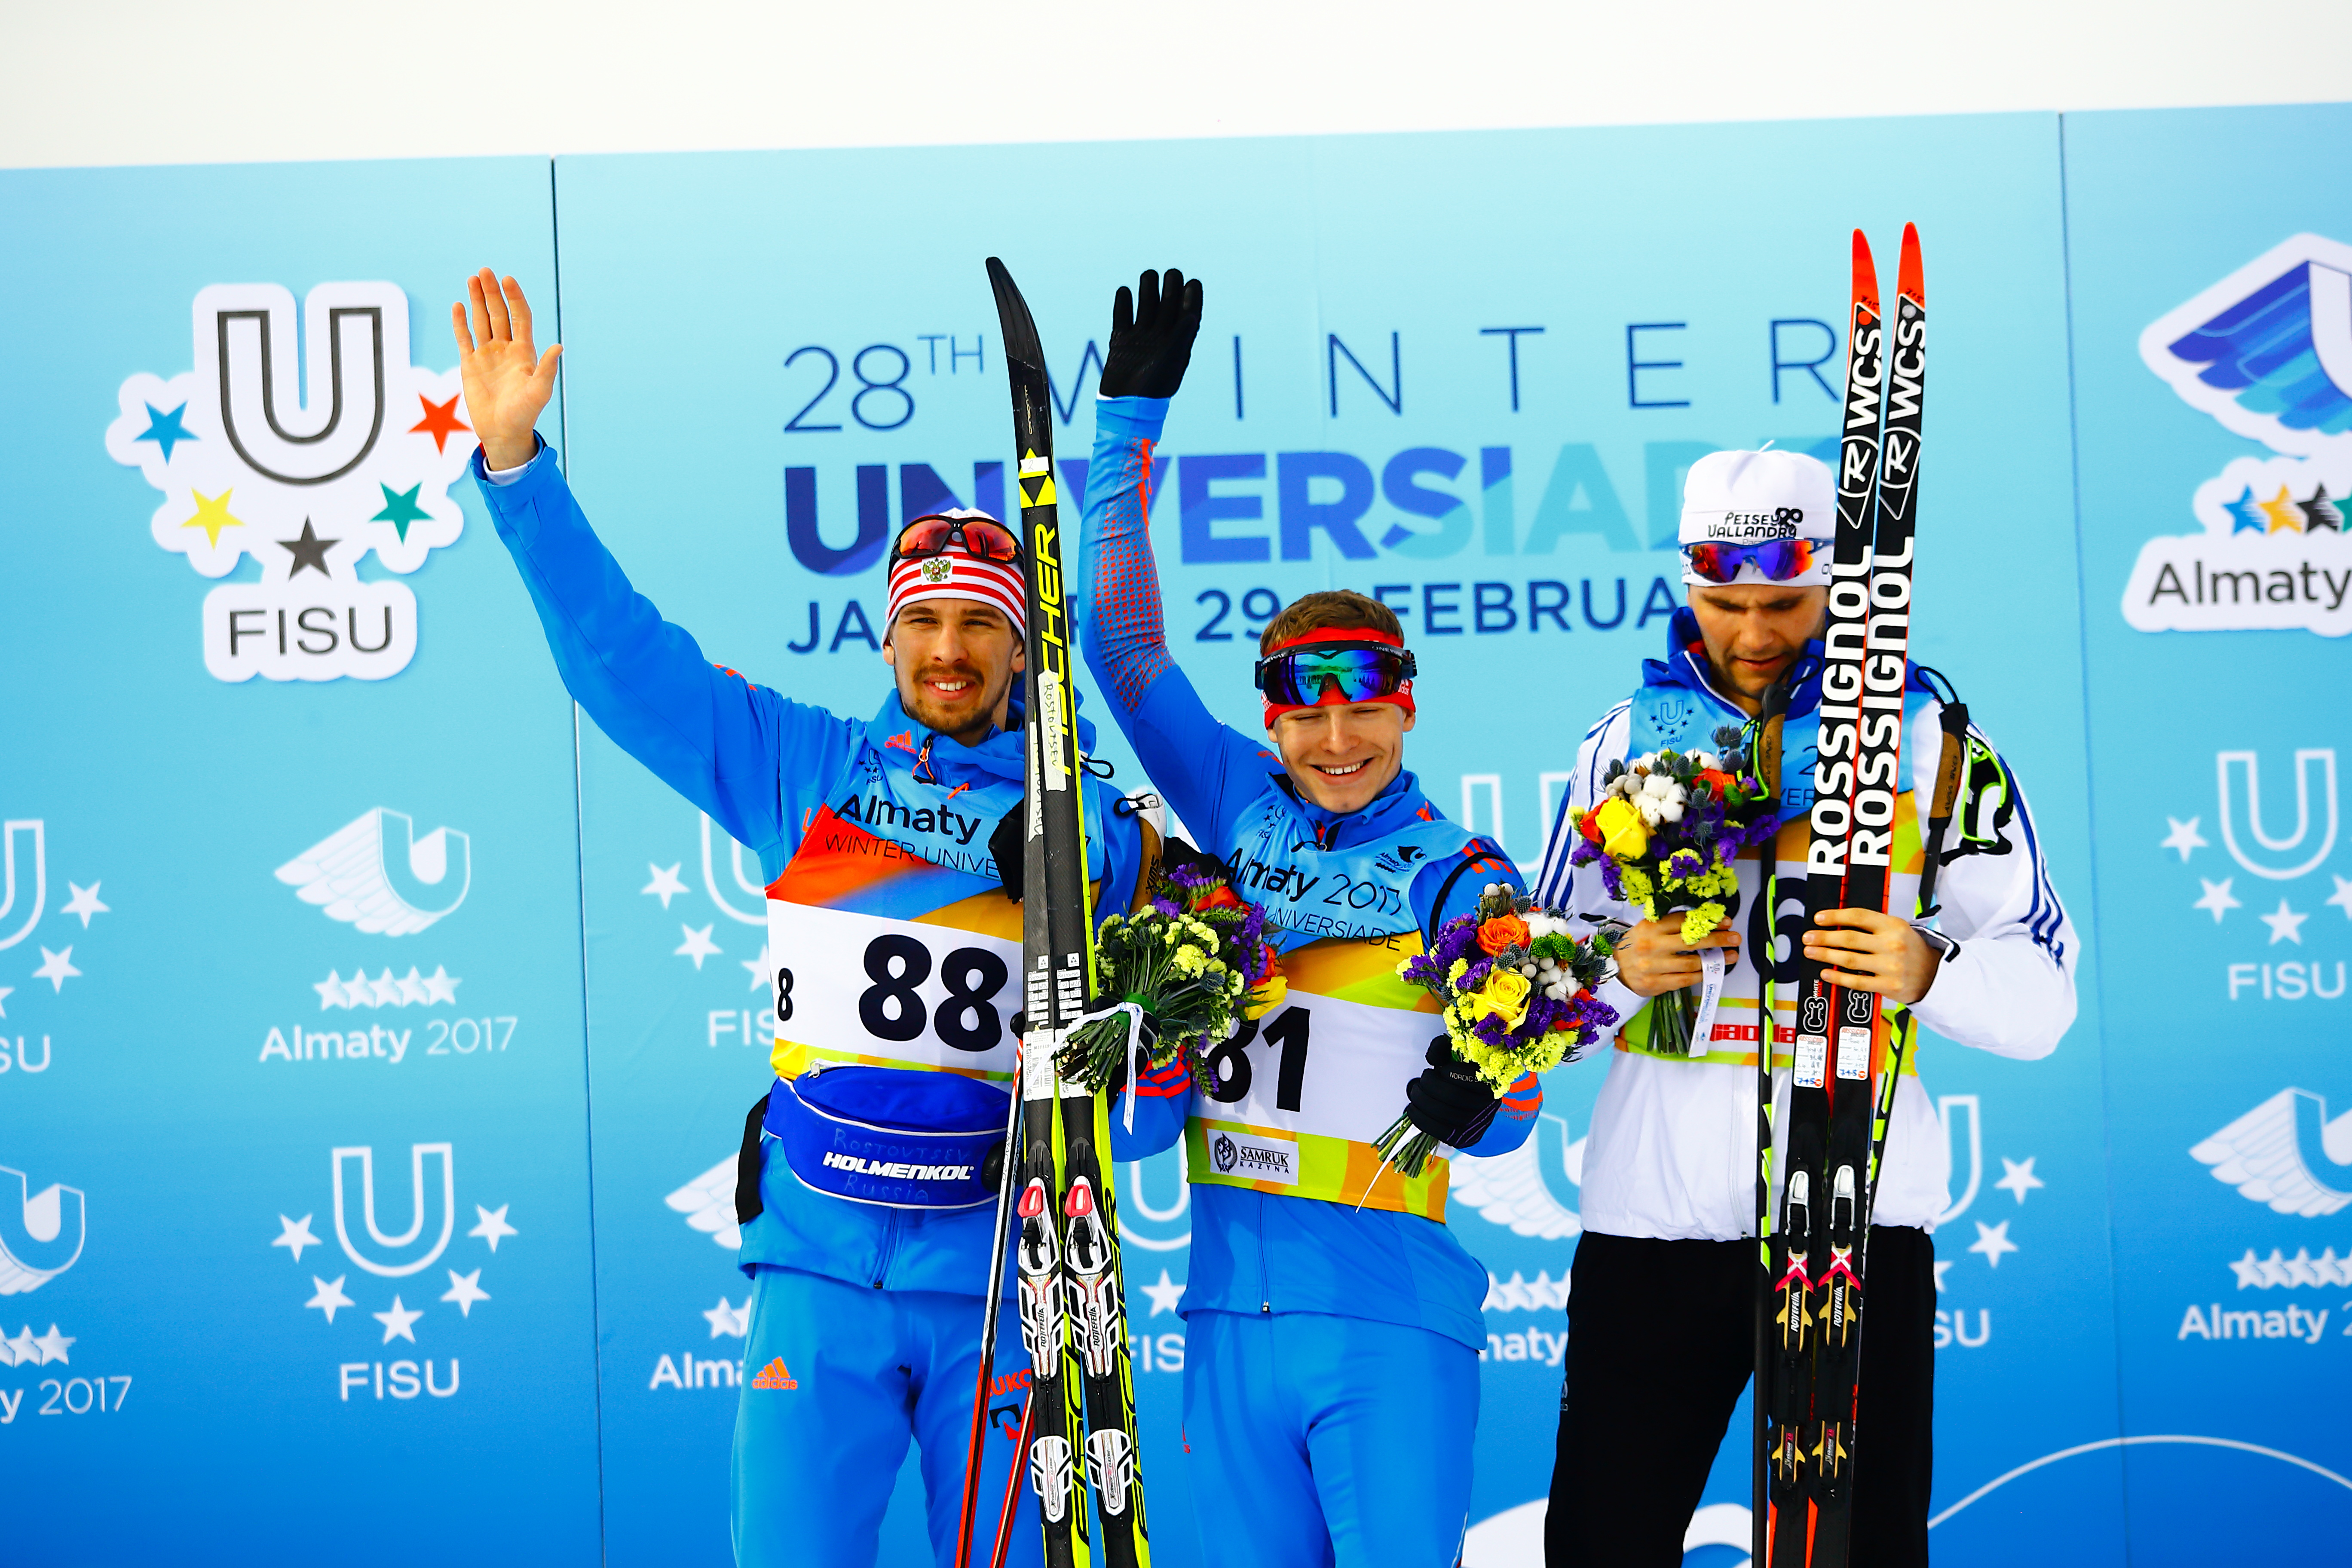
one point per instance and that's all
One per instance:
(865, 989)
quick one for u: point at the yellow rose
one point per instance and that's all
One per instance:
(1267, 996)
(1505, 997)
(1622, 831)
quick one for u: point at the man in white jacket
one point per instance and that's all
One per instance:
(1661, 1310)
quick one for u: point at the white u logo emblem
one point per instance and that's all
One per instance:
(40, 869)
(252, 347)
(416, 1153)
(2324, 758)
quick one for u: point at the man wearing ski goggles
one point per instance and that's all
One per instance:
(873, 835)
(1330, 1309)
(1662, 1315)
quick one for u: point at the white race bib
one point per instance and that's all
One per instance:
(866, 989)
(1318, 1066)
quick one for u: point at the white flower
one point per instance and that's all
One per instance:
(1528, 970)
(1647, 804)
(1657, 785)
(1670, 811)
(1557, 990)
(1703, 758)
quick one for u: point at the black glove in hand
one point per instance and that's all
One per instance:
(1009, 848)
(1151, 335)
(1449, 1101)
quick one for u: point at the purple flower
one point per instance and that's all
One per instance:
(1611, 880)
(1167, 907)
(1685, 863)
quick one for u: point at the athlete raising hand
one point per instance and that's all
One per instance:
(869, 1165)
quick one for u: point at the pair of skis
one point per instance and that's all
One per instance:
(1056, 1208)
(1809, 1363)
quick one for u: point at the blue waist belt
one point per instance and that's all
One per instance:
(881, 1135)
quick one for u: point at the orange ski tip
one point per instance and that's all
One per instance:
(1865, 274)
(1910, 280)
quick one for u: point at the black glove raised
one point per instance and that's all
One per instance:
(1449, 1100)
(1151, 334)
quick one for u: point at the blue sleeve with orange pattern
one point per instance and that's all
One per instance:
(1207, 771)
(742, 752)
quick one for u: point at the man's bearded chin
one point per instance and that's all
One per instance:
(953, 713)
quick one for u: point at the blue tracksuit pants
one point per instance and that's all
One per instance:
(818, 1447)
(1315, 1438)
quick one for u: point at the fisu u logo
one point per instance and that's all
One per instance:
(38, 873)
(41, 1233)
(395, 1245)
(254, 349)
(2307, 761)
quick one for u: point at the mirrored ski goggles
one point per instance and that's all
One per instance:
(1776, 559)
(982, 538)
(1308, 677)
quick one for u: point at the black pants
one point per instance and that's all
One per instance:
(1661, 1340)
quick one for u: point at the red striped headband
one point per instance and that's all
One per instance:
(954, 574)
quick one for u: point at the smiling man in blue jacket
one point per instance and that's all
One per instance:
(871, 1171)
(1333, 1323)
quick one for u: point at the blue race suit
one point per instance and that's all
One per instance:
(1331, 1377)
(866, 1294)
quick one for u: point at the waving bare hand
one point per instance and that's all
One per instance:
(507, 380)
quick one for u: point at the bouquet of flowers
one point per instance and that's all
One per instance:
(1177, 975)
(1665, 832)
(1516, 990)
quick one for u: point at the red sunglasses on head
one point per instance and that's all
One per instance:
(983, 539)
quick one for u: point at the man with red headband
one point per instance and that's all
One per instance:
(869, 1168)
(1334, 1323)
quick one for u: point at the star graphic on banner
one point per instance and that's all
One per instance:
(167, 430)
(386, 989)
(2275, 1271)
(440, 421)
(309, 553)
(665, 882)
(2281, 512)
(2018, 1178)
(1942, 1265)
(296, 1236)
(2285, 925)
(8, 1350)
(2217, 897)
(494, 1225)
(2319, 513)
(398, 1324)
(5, 992)
(1992, 1240)
(52, 1346)
(2342, 897)
(22, 1347)
(758, 968)
(55, 969)
(2249, 1270)
(212, 516)
(1164, 1295)
(439, 987)
(357, 991)
(2245, 512)
(84, 903)
(729, 1319)
(399, 509)
(331, 1298)
(697, 946)
(465, 1289)
(2184, 838)
(411, 988)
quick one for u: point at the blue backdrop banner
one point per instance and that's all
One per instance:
(425, 1000)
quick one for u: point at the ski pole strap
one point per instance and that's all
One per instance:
(1950, 764)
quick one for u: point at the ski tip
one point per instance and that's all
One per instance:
(1865, 274)
(1911, 276)
(1012, 319)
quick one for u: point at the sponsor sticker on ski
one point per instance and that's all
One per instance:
(1812, 1061)
(1854, 1051)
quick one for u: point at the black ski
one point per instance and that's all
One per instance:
(1072, 1300)
(1837, 1126)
